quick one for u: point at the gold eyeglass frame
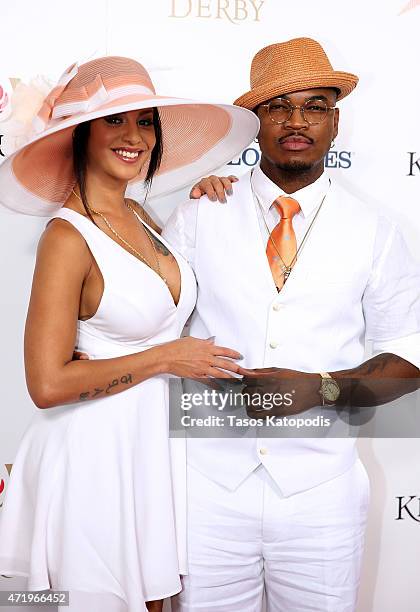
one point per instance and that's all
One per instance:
(301, 109)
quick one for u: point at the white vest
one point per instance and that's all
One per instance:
(238, 303)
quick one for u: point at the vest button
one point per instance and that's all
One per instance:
(278, 307)
(273, 344)
(263, 451)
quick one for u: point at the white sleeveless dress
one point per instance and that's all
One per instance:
(94, 504)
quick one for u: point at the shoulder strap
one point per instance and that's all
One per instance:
(93, 236)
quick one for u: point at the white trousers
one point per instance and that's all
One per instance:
(305, 551)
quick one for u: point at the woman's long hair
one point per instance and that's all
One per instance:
(80, 141)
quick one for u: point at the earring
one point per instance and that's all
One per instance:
(332, 145)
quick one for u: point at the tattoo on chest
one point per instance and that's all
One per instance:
(161, 248)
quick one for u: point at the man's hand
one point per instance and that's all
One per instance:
(78, 356)
(270, 383)
(215, 187)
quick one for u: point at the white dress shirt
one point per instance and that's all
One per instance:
(309, 198)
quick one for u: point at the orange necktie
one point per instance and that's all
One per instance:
(281, 246)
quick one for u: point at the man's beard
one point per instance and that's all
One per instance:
(295, 167)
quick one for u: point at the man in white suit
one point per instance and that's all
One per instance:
(295, 273)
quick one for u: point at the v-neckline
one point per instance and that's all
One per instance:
(132, 256)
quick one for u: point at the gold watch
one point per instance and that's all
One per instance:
(329, 389)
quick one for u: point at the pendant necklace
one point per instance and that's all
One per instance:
(287, 269)
(156, 268)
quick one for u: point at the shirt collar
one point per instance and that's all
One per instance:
(309, 197)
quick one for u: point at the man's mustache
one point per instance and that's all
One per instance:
(295, 137)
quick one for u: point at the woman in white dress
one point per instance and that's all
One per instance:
(92, 505)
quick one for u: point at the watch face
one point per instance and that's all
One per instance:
(330, 389)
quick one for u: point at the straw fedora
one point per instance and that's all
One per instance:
(294, 65)
(197, 137)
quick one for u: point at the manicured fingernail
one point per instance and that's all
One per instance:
(240, 356)
(212, 338)
(229, 192)
(223, 201)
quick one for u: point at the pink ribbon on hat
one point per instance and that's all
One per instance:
(84, 99)
(89, 97)
(45, 112)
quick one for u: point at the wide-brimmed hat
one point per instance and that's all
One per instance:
(294, 65)
(197, 137)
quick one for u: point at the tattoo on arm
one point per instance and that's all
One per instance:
(386, 364)
(124, 380)
(378, 381)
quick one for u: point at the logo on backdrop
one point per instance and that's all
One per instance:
(413, 163)
(4, 477)
(410, 6)
(408, 507)
(334, 158)
(235, 11)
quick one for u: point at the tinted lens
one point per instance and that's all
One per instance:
(280, 110)
(315, 111)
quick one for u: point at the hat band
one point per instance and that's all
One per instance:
(101, 96)
(95, 101)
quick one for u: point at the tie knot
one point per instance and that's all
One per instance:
(287, 207)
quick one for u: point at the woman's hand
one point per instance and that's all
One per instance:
(214, 187)
(196, 358)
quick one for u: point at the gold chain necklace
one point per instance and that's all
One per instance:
(156, 269)
(286, 270)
